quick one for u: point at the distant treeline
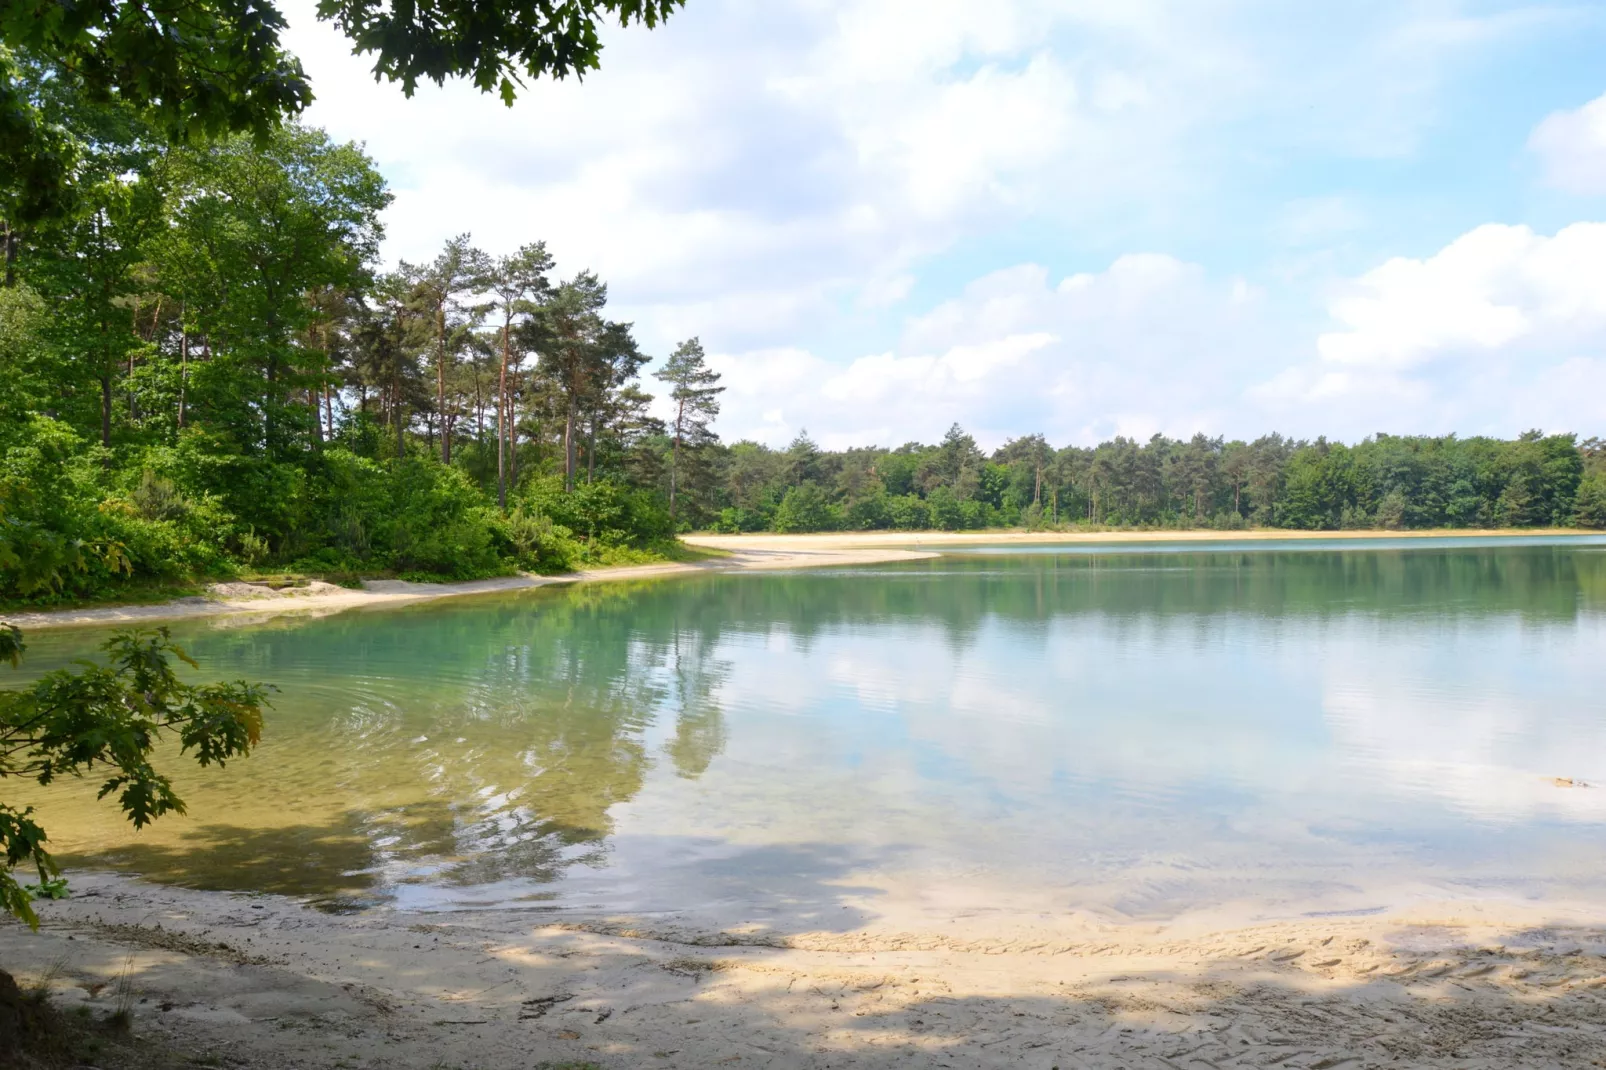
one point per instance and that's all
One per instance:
(1388, 481)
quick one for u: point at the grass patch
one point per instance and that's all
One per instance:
(682, 553)
(36, 1035)
(132, 593)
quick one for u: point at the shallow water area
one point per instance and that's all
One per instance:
(1113, 732)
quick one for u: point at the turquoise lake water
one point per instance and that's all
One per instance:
(1133, 732)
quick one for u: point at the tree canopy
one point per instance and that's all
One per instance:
(202, 69)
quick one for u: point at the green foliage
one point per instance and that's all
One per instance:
(437, 523)
(907, 512)
(1589, 505)
(1388, 481)
(805, 508)
(537, 544)
(28, 363)
(493, 45)
(199, 370)
(108, 719)
(204, 69)
(601, 513)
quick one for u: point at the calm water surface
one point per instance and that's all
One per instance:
(1132, 732)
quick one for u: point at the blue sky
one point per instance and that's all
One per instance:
(1081, 217)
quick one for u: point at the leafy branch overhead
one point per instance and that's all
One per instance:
(199, 69)
(493, 45)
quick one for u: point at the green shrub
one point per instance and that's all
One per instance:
(601, 513)
(867, 514)
(1589, 507)
(438, 523)
(909, 513)
(54, 540)
(805, 508)
(537, 544)
(947, 511)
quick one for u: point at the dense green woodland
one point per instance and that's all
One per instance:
(203, 369)
(1387, 481)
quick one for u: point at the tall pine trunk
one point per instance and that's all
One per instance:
(568, 445)
(674, 460)
(501, 426)
(183, 365)
(106, 410)
(440, 382)
(591, 452)
(8, 238)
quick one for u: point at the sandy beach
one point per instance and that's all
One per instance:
(234, 599)
(260, 981)
(936, 540)
(743, 552)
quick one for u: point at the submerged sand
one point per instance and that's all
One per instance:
(260, 981)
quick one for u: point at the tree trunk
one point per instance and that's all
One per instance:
(8, 237)
(106, 411)
(501, 426)
(674, 461)
(396, 404)
(591, 452)
(440, 380)
(513, 434)
(568, 446)
(183, 366)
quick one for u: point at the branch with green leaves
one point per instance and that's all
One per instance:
(108, 720)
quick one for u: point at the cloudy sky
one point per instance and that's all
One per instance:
(1080, 217)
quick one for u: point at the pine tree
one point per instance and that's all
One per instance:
(694, 391)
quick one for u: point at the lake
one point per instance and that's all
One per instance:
(1130, 733)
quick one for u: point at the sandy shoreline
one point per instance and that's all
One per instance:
(228, 599)
(260, 981)
(759, 551)
(843, 540)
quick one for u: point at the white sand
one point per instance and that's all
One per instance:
(233, 599)
(841, 540)
(264, 982)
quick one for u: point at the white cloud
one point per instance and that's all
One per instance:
(1571, 146)
(1492, 287)
(1016, 353)
(1500, 330)
(803, 152)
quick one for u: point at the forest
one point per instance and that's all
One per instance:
(206, 370)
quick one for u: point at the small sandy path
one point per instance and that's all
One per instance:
(262, 982)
